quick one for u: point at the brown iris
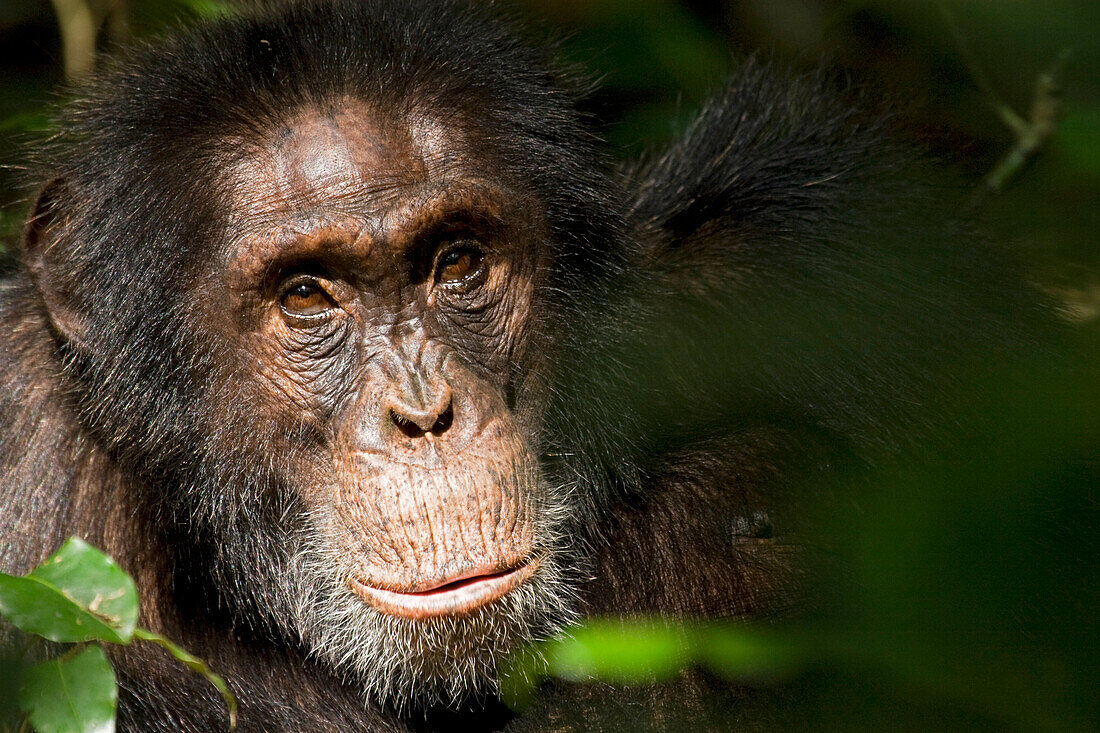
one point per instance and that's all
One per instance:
(306, 299)
(458, 265)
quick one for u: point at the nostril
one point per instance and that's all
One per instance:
(444, 421)
(406, 426)
(415, 421)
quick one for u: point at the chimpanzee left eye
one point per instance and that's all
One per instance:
(458, 264)
(305, 299)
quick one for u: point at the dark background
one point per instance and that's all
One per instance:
(655, 60)
(975, 598)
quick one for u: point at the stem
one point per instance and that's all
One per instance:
(1046, 111)
(1008, 116)
(1030, 133)
(195, 665)
(78, 33)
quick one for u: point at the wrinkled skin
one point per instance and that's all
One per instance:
(402, 370)
(379, 290)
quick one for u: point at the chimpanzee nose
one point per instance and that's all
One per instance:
(426, 414)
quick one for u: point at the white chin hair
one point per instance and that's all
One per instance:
(405, 663)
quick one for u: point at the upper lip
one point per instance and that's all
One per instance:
(455, 595)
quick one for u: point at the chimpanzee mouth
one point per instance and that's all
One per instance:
(454, 597)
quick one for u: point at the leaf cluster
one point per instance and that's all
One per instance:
(79, 596)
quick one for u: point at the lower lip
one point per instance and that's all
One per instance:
(451, 599)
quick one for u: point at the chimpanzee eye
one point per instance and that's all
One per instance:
(458, 264)
(306, 299)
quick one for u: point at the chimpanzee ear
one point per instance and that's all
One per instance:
(46, 254)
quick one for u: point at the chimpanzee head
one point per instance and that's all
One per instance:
(312, 272)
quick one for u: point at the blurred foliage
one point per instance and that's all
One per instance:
(964, 594)
(973, 598)
(655, 61)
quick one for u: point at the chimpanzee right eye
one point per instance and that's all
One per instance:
(306, 300)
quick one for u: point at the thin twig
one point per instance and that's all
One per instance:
(1046, 111)
(1015, 122)
(1032, 132)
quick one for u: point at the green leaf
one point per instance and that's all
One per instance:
(71, 695)
(210, 8)
(742, 653)
(520, 674)
(27, 121)
(77, 594)
(615, 650)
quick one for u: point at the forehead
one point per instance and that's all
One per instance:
(344, 160)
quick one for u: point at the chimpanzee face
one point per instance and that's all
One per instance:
(382, 310)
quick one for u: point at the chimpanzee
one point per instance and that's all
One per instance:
(335, 326)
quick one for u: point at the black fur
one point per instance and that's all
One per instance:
(778, 293)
